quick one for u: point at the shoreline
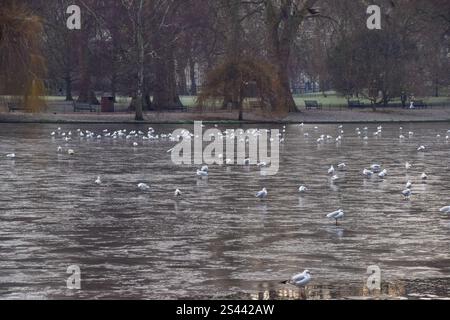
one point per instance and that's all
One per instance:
(306, 117)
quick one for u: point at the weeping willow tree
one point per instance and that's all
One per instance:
(231, 81)
(22, 66)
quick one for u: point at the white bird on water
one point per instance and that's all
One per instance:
(367, 173)
(376, 168)
(301, 279)
(98, 180)
(342, 166)
(302, 189)
(445, 210)
(205, 168)
(262, 194)
(331, 170)
(177, 193)
(202, 173)
(71, 152)
(409, 185)
(143, 186)
(383, 174)
(336, 215)
(424, 176)
(407, 194)
(408, 165)
(11, 155)
(421, 148)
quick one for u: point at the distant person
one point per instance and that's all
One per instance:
(412, 99)
(404, 98)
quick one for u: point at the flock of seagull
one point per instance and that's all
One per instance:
(303, 278)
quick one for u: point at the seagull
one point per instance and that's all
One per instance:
(204, 168)
(334, 178)
(408, 165)
(143, 186)
(301, 279)
(367, 173)
(177, 193)
(421, 148)
(342, 166)
(445, 210)
(98, 180)
(262, 194)
(70, 152)
(407, 194)
(424, 176)
(375, 168)
(59, 149)
(202, 173)
(135, 144)
(302, 189)
(409, 185)
(336, 215)
(11, 155)
(331, 170)
(383, 174)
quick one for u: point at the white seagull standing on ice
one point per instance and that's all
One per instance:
(409, 185)
(383, 174)
(407, 194)
(375, 168)
(262, 194)
(302, 189)
(421, 148)
(11, 155)
(342, 166)
(98, 180)
(424, 176)
(301, 279)
(202, 173)
(408, 165)
(367, 173)
(445, 210)
(71, 152)
(143, 186)
(177, 193)
(336, 215)
(331, 170)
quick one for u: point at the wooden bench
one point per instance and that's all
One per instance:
(312, 104)
(355, 104)
(77, 106)
(14, 106)
(420, 104)
(255, 104)
(175, 109)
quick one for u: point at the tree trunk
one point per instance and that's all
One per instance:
(68, 81)
(140, 65)
(192, 77)
(282, 25)
(85, 75)
(165, 89)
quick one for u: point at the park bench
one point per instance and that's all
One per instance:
(177, 108)
(420, 104)
(312, 104)
(355, 104)
(14, 106)
(255, 104)
(77, 106)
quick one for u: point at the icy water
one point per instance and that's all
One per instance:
(217, 241)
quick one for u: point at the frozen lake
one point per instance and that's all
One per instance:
(217, 240)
